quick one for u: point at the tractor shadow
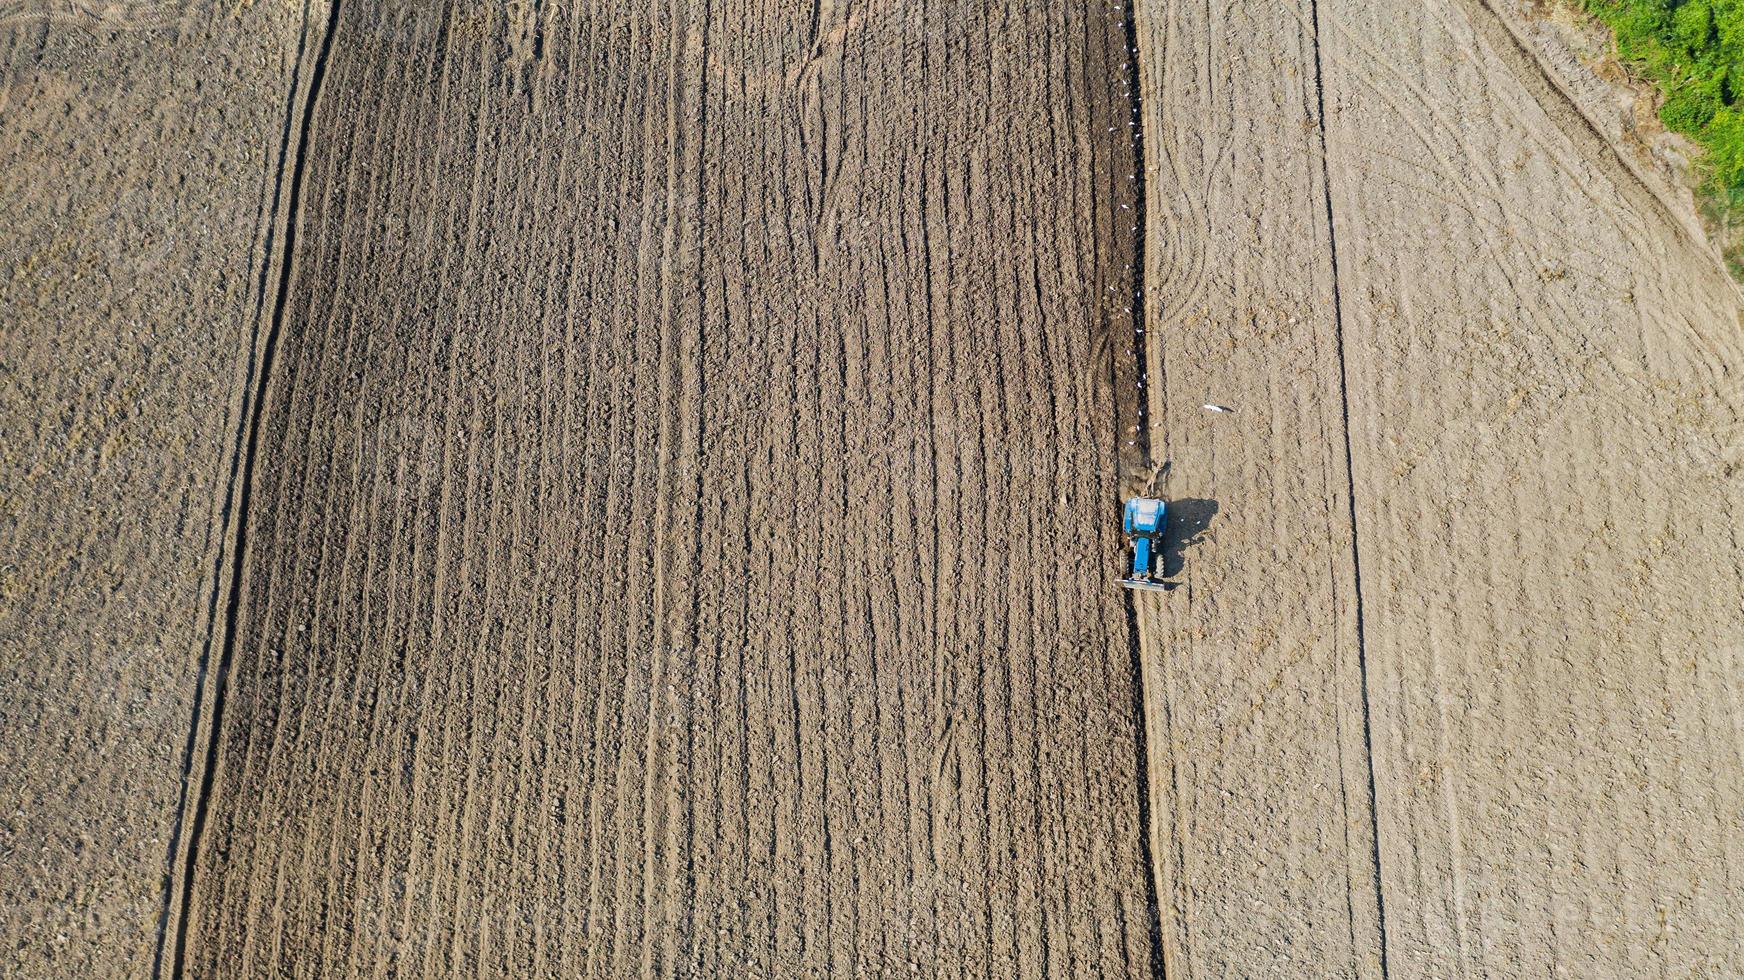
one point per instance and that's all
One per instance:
(1189, 519)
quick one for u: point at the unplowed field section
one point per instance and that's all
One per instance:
(136, 207)
(1545, 417)
(1264, 847)
(1452, 684)
(677, 536)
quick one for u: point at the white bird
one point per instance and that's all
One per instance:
(1218, 408)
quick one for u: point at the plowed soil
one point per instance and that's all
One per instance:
(650, 476)
(676, 533)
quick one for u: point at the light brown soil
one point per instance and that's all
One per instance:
(138, 156)
(1541, 648)
(1264, 837)
(638, 483)
(1545, 412)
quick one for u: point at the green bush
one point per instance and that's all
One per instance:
(1694, 51)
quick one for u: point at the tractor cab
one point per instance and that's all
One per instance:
(1144, 522)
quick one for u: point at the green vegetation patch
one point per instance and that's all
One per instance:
(1694, 51)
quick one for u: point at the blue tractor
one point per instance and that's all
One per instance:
(1144, 522)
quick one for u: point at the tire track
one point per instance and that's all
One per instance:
(199, 719)
(190, 854)
(1350, 486)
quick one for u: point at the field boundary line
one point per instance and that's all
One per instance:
(1134, 109)
(204, 724)
(1350, 486)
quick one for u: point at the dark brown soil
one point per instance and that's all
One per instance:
(677, 524)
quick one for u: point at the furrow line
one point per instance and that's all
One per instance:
(241, 480)
(1350, 480)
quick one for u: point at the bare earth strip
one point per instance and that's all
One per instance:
(1263, 823)
(678, 534)
(1545, 397)
(139, 147)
